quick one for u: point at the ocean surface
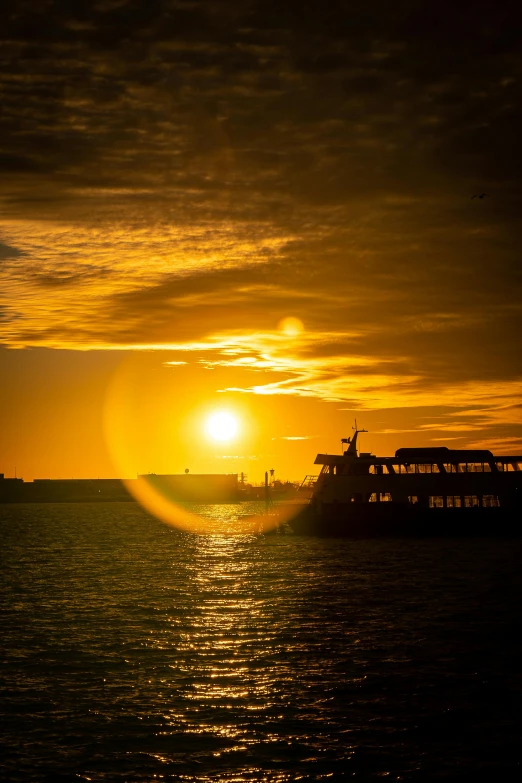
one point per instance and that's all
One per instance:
(133, 652)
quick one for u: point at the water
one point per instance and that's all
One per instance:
(132, 652)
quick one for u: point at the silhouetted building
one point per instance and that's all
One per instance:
(195, 488)
(11, 489)
(202, 488)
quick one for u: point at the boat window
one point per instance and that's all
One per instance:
(380, 497)
(470, 501)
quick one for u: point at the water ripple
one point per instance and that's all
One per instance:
(131, 652)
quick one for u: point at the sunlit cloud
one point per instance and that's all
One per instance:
(296, 216)
(446, 438)
(236, 456)
(297, 437)
(498, 445)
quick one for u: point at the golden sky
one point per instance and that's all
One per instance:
(180, 177)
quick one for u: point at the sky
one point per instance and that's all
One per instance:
(258, 207)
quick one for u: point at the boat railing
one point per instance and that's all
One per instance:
(308, 482)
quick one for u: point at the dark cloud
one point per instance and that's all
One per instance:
(8, 252)
(217, 166)
(160, 91)
(80, 273)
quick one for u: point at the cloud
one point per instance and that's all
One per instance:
(185, 175)
(295, 437)
(8, 252)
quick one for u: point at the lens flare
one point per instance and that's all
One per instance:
(291, 327)
(128, 432)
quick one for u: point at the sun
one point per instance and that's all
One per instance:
(222, 426)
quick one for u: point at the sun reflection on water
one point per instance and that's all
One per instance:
(138, 653)
(222, 654)
(235, 661)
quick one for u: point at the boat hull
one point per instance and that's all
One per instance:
(396, 520)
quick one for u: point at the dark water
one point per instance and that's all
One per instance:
(131, 652)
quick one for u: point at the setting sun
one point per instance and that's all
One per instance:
(221, 426)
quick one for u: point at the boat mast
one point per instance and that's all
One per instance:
(352, 442)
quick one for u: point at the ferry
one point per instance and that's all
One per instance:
(433, 491)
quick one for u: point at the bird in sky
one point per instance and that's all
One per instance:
(479, 195)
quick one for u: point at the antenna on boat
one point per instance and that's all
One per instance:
(352, 447)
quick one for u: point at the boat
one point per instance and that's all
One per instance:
(419, 492)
